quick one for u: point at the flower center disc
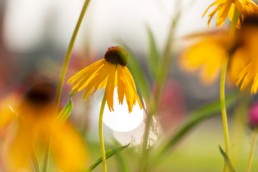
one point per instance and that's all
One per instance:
(116, 55)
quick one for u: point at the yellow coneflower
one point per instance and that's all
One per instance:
(34, 127)
(210, 53)
(226, 8)
(243, 67)
(207, 55)
(108, 73)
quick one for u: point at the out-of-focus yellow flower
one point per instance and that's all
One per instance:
(108, 73)
(225, 9)
(243, 67)
(209, 54)
(33, 127)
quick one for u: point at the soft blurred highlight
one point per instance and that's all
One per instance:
(175, 59)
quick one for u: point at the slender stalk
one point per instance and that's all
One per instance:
(69, 52)
(64, 70)
(251, 154)
(101, 136)
(144, 157)
(223, 109)
(164, 68)
(232, 30)
(146, 133)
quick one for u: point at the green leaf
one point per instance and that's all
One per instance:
(167, 55)
(66, 111)
(195, 118)
(154, 57)
(108, 155)
(227, 160)
(138, 74)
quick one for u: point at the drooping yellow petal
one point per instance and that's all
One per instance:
(206, 55)
(129, 93)
(237, 63)
(68, 149)
(254, 87)
(245, 78)
(208, 8)
(136, 98)
(111, 83)
(246, 7)
(97, 81)
(7, 110)
(18, 155)
(231, 12)
(223, 12)
(243, 70)
(81, 84)
(225, 9)
(89, 69)
(130, 89)
(244, 62)
(120, 84)
(211, 68)
(211, 15)
(131, 80)
(80, 79)
(222, 9)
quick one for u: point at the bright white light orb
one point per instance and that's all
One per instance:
(135, 137)
(120, 119)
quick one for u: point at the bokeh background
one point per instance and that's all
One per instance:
(34, 36)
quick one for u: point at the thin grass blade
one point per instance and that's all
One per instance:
(154, 57)
(227, 160)
(167, 55)
(195, 118)
(108, 155)
(66, 111)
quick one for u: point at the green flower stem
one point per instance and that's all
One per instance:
(223, 109)
(68, 54)
(164, 68)
(196, 117)
(232, 30)
(144, 157)
(101, 136)
(64, 70)
(251, 154)
(233, 25)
